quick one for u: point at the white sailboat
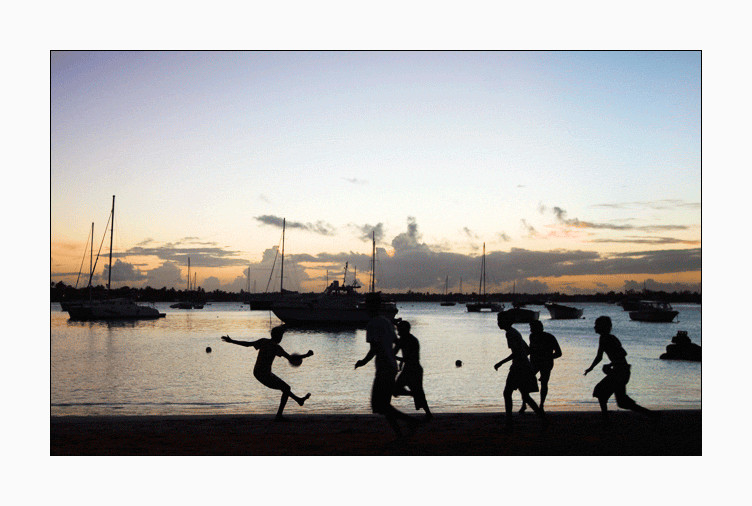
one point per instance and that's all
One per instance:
(265, 301)
(188, 304)
(121, 308)
(483, 304)
(447, 302)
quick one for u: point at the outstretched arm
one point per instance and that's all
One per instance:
(363, 361)
(598, 357)
(246, 344)
(283, 353)
(496, 366)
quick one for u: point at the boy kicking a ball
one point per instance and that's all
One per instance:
(268, 350)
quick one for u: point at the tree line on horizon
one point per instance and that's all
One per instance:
(60, 292)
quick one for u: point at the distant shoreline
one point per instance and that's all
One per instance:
(676, 432)
(59, 291)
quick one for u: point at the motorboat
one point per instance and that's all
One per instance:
(561, 312)
(477, 307)
(519, 315)
(654, 312)
(338, 305)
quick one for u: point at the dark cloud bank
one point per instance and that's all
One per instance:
(412, 264)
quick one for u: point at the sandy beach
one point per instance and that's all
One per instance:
(569, 433)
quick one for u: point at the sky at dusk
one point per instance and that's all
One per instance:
(580, 171)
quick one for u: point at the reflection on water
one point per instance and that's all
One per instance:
(162, 367)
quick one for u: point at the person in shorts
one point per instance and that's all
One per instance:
(544, 349)
(521, 376)
(411, 375)
(617, 372)
(268, 350)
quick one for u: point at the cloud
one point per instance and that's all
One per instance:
(470, 234)
(264, 275)
(317, 228)
(531, 286)
(503, 236)
(574, 222)
(210, 284)
(529, 229)
(123, 272)
(409, 242)
(417, 266)
(166, 275)
(653, 285)
(200, 257)
(654, 204)
(365, 231)
(649, 240)
(410, 264)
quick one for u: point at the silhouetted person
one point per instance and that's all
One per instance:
(381, 337)
(411, 375)
(521, 376)
(617, 372)
(268, 350)
(544, 349)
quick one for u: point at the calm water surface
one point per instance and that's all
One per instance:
(162, 367)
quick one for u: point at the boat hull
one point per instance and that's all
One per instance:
(559, 312)
(187, 305)
(653, 316)
(115, 309)
(328, 317)
(520, 315)
(477, 307)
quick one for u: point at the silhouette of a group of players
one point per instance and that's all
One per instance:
(391, 380)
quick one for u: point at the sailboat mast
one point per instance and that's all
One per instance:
(189, 274)
(91, 259)
(373, 262)
(482, 271)
(282, 269)
(112, 228)
(91, 254)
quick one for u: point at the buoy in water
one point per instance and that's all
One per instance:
(208, 349)
(458, 363)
